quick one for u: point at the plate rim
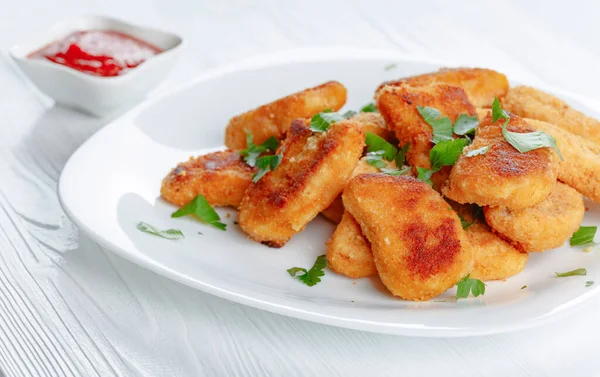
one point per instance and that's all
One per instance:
(301, 55)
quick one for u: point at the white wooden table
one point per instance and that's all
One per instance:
(70, 308)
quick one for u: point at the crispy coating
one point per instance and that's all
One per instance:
(375, 124)
(581, 166)
(313, 171)
(275, 118)
(418, 243)
(398, 106)
(532, 103)
(348, 251)
(502, 176)
(493, 257)
(542, 227)
(336, 210)
(222, 177)
(481, 85)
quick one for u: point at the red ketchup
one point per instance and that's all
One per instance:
(98, 52)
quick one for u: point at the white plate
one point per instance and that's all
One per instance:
(113, 181)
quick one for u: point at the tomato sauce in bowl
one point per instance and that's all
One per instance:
(103, 53)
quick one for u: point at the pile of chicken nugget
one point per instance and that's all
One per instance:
(410, 233)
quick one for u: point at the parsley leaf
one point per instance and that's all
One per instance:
(579, 271)
(266, 164)
(525, 142)
(401, 155)
(465, 224)
(523, 287)
(312, 276)
(478, 151)
(369, 108)
(376, 159)
(445, 153)
(170, 234)
(467, 285)
(320, 122)
(425, 175)
(394, 172)
(200, 207)
(465, 124)
(442, 127)
(497, 111)
(584, 236)
(252, 150)
(375, 143)
(390, 66)
(589, 283)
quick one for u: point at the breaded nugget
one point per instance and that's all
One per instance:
(418, 243)
(222, 177)
(481, 85)
(336, 210)
(375, 124)
(532, 103)
(275, 118)
(313, 171)
(542, 227)
(502, 176)
(398, 106)
(348, 251)
(493, 257)
(581, 166)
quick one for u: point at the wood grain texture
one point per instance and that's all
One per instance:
(70, 308)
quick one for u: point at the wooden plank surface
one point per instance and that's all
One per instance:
(70, 308)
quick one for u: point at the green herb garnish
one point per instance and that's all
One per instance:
(170, 234)
(523, 287)
(467, 285)
(442, 127)
(200, 207)
(401, 155)
(584, 236)
(497, 111)
(376, 143)
(266, 164)
(465, 224)
(465, 124)
(525, 142)
(369, 108)
(376, 159)
(320, 122)
(390, 66)
(252, 150)
(589, 283)
(478, 151)
(579, 271)
(425, 174)
(312, 276)
(446, 153)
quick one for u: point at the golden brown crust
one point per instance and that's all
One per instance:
(312, 172)
(275, 118)
(544, 226)
(398, 106)
(581, 166)
(222, 177)
(502, 176)
(532, 103)
(419, 246)
(480, 85)
(348, 251)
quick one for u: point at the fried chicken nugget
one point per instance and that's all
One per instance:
(481, 85)
(532, 103)
(348, 251)
(542, 227)
(275, 118)
(581, 166)
(375, 124)
(418, 243)
(493, 257)
(398, 106)
(313, 171)
(502, 176)
(222, 177)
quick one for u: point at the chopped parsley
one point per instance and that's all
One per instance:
(523, 287)
(468, 285)
(390, 66)
(320, 122)
(444, 153)
(497, 111)
(401, 155)
(200, 207)
(266, 164)
(579, 271)
(465, 224)
(584, 236)
(478, 151)
(589, 283)
(170, 234)
(465, 124)
(253, 151)
(376, 143)
(378, 149)
(312, 276)
(376, 159)
(369, 108)
(442, 126)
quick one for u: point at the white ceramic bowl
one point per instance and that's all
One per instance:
(97, 95)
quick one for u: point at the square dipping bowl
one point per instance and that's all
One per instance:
(98, 95)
